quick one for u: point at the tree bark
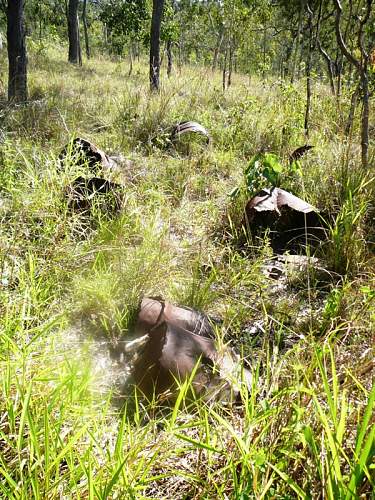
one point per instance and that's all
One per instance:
(231, 55)
(16, 37)
(217, 49)
(361, 64)
(169, 57)
(73, 32)
(295, 56)
(225, 68)
(85, 29)
(130, 59)
(353, 105)
(308, 71)
(157, 14)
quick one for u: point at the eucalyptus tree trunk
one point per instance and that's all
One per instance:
(85, 29)
(130, 59)
(225, 68)
(308, 71)
(73, 33)
(329, 67)
(157, 14)
(169, 57)
(217, 49)
(299, 29)
(231, 56)
(16, 37)
(361, 64)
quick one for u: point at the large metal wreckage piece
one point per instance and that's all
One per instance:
(82, 191)
(175, 343)
(87, 152)
(292, 222)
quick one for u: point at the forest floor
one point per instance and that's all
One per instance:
(70, 284)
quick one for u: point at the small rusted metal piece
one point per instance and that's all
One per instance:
(82, 191)
(86, 151)
(155, 311)
(189, 126)
(299, 152)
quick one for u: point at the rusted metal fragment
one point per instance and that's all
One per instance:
(171, 353)
(185, 127)
(179, 342)
(155, 311)
(82, 192)
(299, 152)
(291, 221)
(84, 151)
(274, 199)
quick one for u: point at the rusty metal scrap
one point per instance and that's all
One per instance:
(290, 221)
(274, 198)
(88, 152)
(179, 339)
(82, 191)
(299, 152)
(154, 311)
(189, 126)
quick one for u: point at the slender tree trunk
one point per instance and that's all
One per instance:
(264, 53)
(361, 64)
(105, 35)
(231, 53)
(353, 105)
(217, 50)
(157, 14)
(40, 15)
(294, 61)
(79, 44)
(130, 59)
(329, 67)
(308, 73)
(365, 117)
(169, 57)
(73, 32)
(225, 68)
(16, 37)
(85, 29)
(180, 55)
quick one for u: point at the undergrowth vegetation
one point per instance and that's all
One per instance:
(71, 284)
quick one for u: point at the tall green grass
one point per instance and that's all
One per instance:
(71, 284)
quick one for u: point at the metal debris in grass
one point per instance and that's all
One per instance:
(189, 126)
(292, 222)
(82, 192)
(86, 152)
(180, 345)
